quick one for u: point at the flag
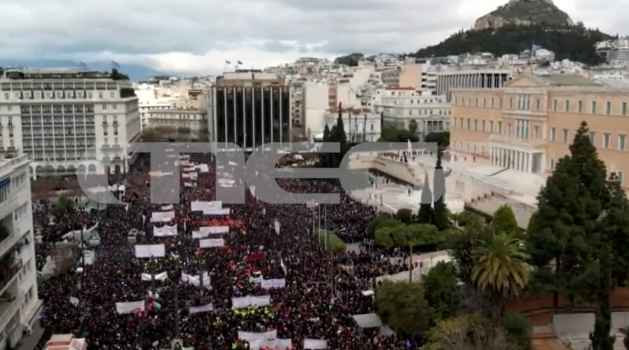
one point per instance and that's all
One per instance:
(227, 62)
(82, 64)
(114, 65)
(239, 62)
(283, 266)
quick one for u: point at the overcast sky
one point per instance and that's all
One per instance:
(199, 35)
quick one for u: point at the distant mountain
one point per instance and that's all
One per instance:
(135, 72)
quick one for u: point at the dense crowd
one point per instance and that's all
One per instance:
(320, 296)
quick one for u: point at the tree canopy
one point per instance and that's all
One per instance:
(575, 43)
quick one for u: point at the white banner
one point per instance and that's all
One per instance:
(368, 320)
(211, 243)
(164, 216)
(225, 211)
(273, 283)
(190, 176)
(89, 257)
(189, 169)
(243, 302)
(203, 168)
(185, 157)
(195, 280)
(129, 307)
(205, 231)
(199, 309)
(152, 250)
(86, 233)
(271, 344)
(158, 276)
(249, 336)
(189, 184)
(315, 344)
(167, 207)
(205, 206)
(256, 277)
(165, 231)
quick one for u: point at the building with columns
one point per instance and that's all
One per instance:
(529, 124)
(471, 78)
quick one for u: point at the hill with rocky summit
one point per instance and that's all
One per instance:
(524, 13)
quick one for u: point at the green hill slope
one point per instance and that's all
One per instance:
(573, 42)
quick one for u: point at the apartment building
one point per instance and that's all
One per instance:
(471, 77)
(361, 125)
(406, 75)
(19, 304)
(399, 106)
(180, 106)
(528, 124)
(68, 121)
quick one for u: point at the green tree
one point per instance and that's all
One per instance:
(617, 225)
(325, 160)
(63, 206)
(600, 338)
(412, 126)
(500, 269)
(441, 290)
(404, 215)
(519, 330)
(375, 223)
(503, 220)
(383, 237)
(441, 138)
(332, 242)
(441, 215)
(425, 214)
(338, 135)
(469, 219)
(403, 307)
(564, 233)
(117, 75)
(471, 331)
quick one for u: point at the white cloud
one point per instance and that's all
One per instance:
(199, 35)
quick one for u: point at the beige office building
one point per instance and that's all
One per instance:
(529, 124)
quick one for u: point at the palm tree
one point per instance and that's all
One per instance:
(500, 269)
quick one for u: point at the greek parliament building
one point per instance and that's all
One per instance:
(250, 108)
(529, 124)
(68, 121)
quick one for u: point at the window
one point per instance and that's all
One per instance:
(580, 106)
(567, 106)
(475, 124)
(593, 110)
(606, 138)
(552, 164)
(622, 142)
(468, 123)
(592, 136)
(536, 132)
(484, 126)
(511, 103)
(555, 105)
(624, 108)
(565, 135)
(538, 104)
(499, 127)
(608, 108)
(553, 134)
(619, 176)
(491, 126)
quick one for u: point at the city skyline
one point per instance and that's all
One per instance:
(180, 38)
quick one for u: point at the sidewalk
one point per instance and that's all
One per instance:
(28, 342)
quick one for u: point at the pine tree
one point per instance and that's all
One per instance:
(617, 224)
(563, 237)
(425, 214)
(325, 160)
(600, 338)
(338, 135)
(440, 216)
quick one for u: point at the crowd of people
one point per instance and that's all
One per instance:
(274, 241)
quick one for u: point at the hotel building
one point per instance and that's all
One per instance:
(68, 121)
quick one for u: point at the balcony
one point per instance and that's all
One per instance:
(8, 307)
(9, 268)
(510, 140)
